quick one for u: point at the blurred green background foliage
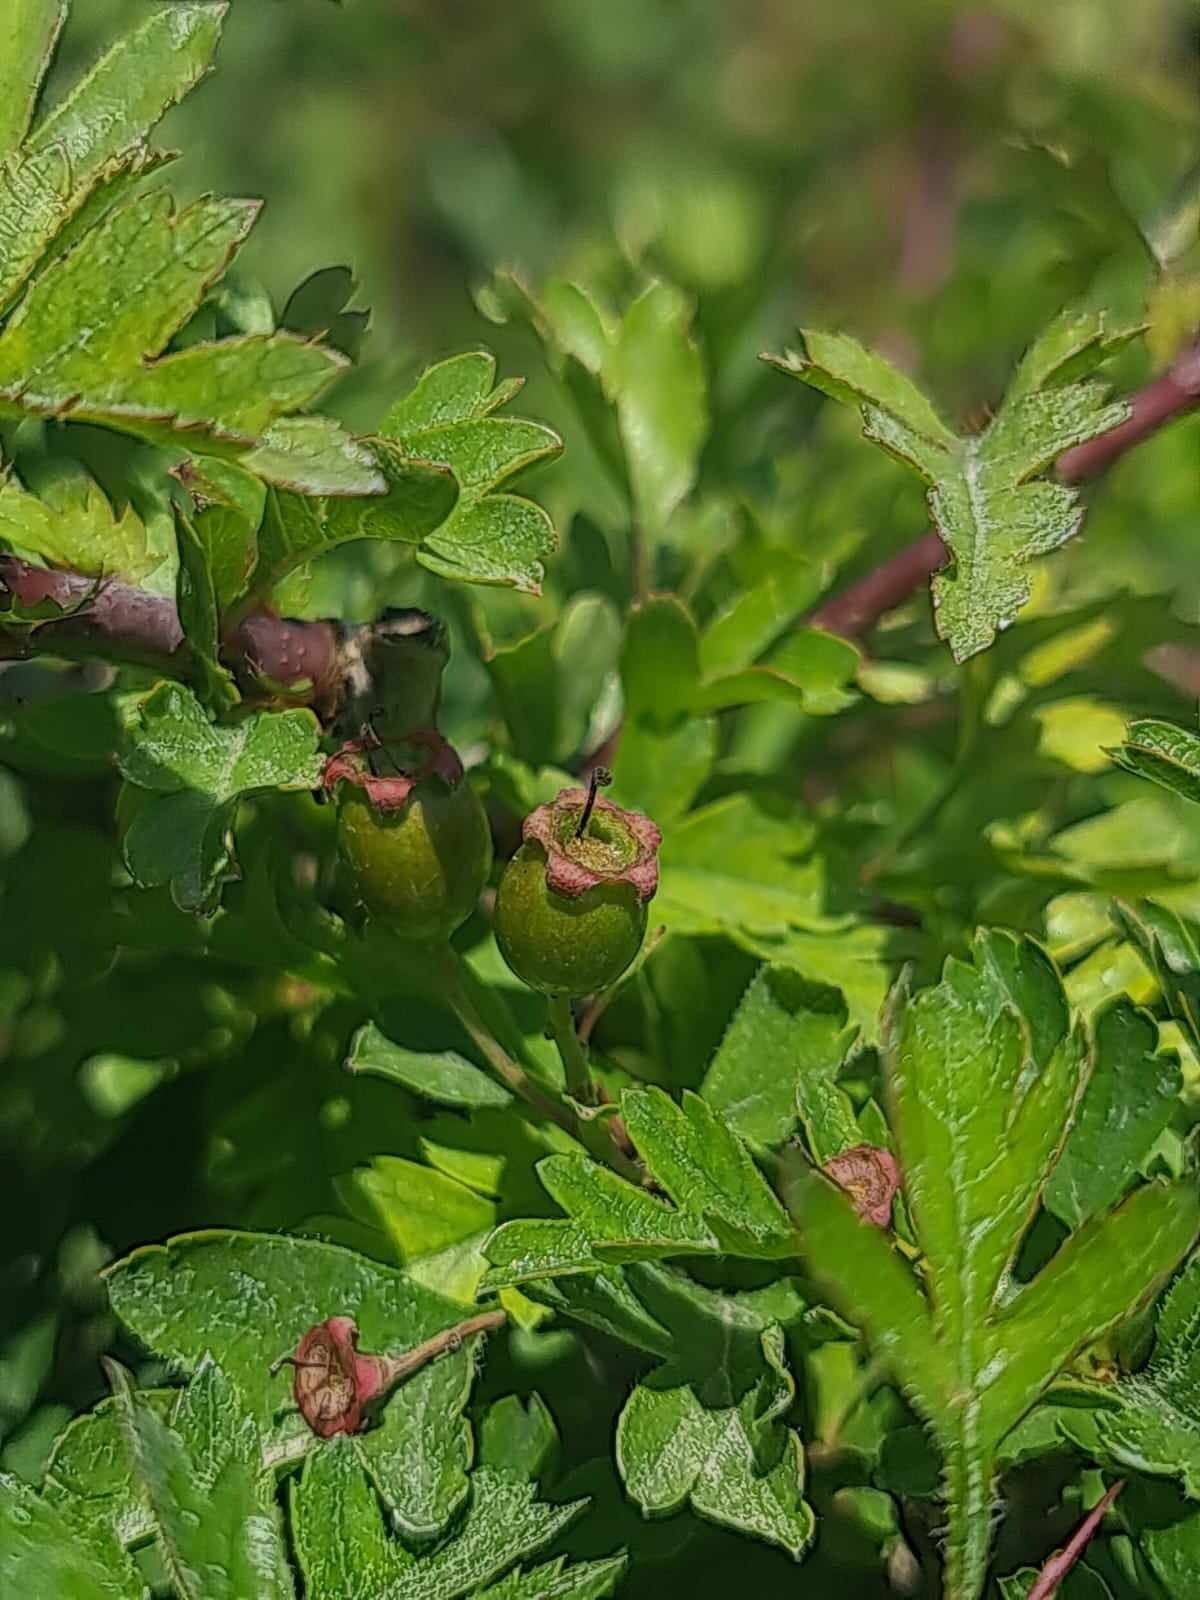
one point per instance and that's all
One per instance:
(791, 156)
(938, 178)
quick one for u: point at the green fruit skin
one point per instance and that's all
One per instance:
(563, 946)
(419, 869)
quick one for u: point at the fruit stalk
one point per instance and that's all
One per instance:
(560, 1024)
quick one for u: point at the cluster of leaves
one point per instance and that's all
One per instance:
(113, 322)
(735, 1357)
(195, 1469)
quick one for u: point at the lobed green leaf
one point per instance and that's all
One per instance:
(1148, 1421)
(721, 1202)
(77, 527)
(82, 339)
(518, 1438)
(992, 517)
(196, 771)
(555, 1580)
(655, 378)
(1130, 1095)
(984, 1072)
(42, 1553)
(86, 150)
(218, 1527)
(448, 417)
(1166, 754)
(343, 1548)
(28, 34)
(1171, 946)
(778, 1061)
(717, 1443)
(442, 1076)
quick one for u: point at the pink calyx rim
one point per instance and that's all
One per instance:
(572, 878)
(350, 764)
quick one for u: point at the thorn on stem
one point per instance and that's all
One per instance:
(1060, 1563)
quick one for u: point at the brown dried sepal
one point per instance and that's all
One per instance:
(351, 763)
(335, 1386)
(618, 846)
(332, 1383)
(870, 1177)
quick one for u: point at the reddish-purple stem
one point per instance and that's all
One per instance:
(886, 586)
(858, 608)
(117, 620)
(1061, 1562)
(1168, 397)
(110, 618)
(927, 239)
(145, 627)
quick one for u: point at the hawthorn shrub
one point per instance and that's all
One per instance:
(767, 1014)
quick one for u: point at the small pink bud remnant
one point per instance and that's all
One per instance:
(335, 1386)
(870, 1177)
(332, 1383)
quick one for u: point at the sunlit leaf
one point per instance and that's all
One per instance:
(443, 1076)
(720, 1201)
(706, 1429)
(343, 1547)
(231, 390)
(449, 417)
(656, 380)
(1130, 1095)
(176, 1299)
(984, 1071)
(41, 1553)
(195, 772)
(986, 497)
(778, 1061)
(84, 149)
(214, 1513)
(1164, 753)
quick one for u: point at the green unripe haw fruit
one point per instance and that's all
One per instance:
(417, 842)
(571, 908)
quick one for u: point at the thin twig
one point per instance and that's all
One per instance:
(858, 608)
(140, 627)
(1061, 1562)
(442, 1343)
(930, 213)
(978, 41)
(510, 1072)
(592, 1132)
(1160, 402)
